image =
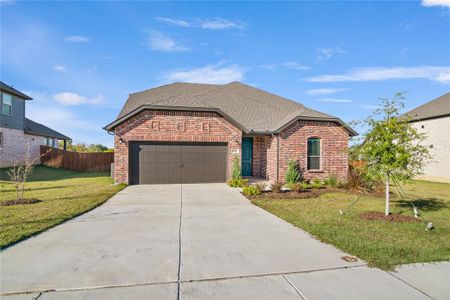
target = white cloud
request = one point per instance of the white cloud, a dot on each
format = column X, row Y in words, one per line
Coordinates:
column 326, row 53
column 325, row 91
column 176, row 22
column 212, row 24
column 435, row 73
column 429, row 3
column 336, row 100
column 160, row 42
column 220, row 24
column 269, row 67
column 59, row 68
column 71, row 99
column 214, row 74
column 289, row 64
column 77, row 39
column 294, row 65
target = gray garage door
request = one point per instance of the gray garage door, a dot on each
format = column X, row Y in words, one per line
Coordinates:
column 160, row 163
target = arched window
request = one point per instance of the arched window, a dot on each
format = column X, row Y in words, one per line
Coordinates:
column 313, row 154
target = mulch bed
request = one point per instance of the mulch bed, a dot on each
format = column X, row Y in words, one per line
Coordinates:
column 20, row 202
column 288, row 195
column 379, row 216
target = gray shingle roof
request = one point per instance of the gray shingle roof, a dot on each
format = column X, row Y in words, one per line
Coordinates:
column 11, row 90
column 253, row 110
column 439, row 107
column 34, row 128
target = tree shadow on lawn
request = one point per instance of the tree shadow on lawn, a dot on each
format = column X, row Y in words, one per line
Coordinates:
column 424, row 204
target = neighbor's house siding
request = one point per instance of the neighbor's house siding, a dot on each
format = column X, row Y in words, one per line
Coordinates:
column 293, row 146
column 438, row 135
column 15, row 144
column 168, row 125
column 17, row 119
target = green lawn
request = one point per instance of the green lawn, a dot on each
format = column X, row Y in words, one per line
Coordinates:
column 382, row 244
column 64, row 194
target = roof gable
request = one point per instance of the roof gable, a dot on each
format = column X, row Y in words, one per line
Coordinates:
column 253, row 110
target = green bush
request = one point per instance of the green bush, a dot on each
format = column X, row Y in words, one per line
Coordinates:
column 332, row 181
column 238, row 182
column 316, row 184
column 251, row 190
column 236, row 173
column 293, row 173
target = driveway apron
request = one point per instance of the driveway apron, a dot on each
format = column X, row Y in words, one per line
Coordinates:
column 197, row 241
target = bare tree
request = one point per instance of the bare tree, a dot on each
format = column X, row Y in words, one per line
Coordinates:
column 20, row 173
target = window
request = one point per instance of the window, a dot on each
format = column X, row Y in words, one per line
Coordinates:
column 1, row 139
column 313, row 154
column 7, row 104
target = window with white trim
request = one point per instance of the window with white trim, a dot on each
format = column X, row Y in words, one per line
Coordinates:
column 313, row 162
column 7, row 104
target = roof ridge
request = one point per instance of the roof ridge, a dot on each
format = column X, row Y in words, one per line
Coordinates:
column 277, row 107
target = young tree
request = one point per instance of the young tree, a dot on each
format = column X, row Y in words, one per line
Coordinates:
column 391, row 146
column 20, row 173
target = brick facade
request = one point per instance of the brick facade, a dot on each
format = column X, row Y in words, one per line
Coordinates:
column 179, row 126
column 15, row 145
column 183, row 126
column 293, row 146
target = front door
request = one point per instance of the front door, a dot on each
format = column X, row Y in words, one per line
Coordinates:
column 247, row 156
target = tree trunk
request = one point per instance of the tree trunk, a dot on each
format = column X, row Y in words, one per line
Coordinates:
column 387, row 212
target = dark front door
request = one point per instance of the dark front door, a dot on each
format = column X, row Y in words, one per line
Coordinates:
column 161, row 163
column 247, row 156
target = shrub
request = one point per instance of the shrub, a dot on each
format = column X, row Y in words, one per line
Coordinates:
column 316, row 184
column 260, row 186
column 358, row 181
column 237, row 182
column 332, row 181
column 236, row 173
column 251, row 190
column 277, row 186
column 298, row 187
column 293, row 173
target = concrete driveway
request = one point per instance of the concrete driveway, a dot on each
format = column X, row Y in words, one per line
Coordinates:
column 192, row 242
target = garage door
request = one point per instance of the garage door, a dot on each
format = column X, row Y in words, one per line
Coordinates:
column 161, row 163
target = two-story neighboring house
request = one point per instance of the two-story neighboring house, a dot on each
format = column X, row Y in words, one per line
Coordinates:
column 433, row 119
column 17, row 133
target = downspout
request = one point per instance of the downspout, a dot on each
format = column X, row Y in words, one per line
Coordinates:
column 278, row 158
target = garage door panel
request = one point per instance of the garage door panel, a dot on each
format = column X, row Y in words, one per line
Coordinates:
column 158, row 163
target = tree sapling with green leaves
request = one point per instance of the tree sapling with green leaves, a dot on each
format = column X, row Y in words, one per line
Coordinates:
column 391, row 147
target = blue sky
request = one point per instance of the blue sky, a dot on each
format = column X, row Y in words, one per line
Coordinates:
column 80, row 60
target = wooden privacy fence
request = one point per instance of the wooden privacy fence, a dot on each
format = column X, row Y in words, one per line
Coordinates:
column 77, row 161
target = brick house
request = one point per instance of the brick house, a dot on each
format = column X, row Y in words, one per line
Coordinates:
column 18, row 133
column 189, row 133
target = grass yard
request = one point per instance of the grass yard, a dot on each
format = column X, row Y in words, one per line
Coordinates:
column 382, row 244
column 64, row 195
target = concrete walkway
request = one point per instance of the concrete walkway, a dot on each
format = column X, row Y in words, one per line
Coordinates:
column 196, row 242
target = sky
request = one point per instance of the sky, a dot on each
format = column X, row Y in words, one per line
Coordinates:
column 80, row 60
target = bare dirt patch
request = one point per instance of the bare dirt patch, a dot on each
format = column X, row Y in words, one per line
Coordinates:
column 379, row 216
column 20, row 202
